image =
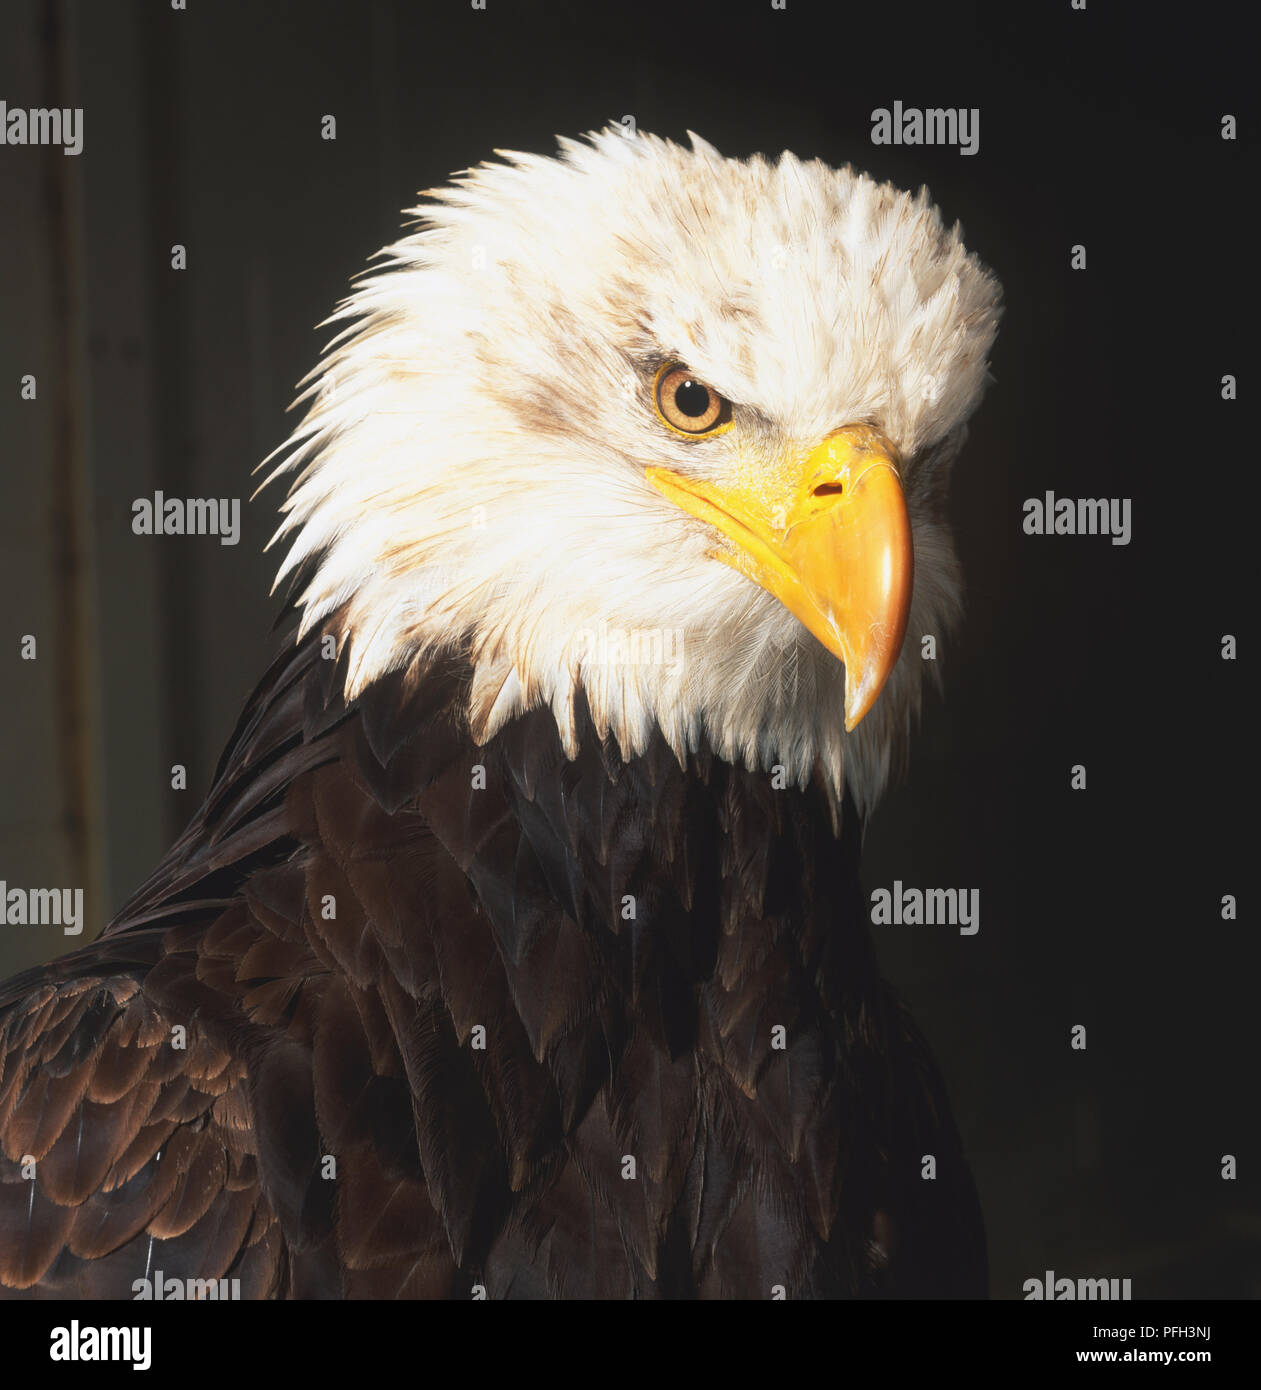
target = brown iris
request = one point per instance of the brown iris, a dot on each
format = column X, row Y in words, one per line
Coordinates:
column 687, row 404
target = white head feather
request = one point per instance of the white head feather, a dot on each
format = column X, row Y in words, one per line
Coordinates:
column 473, row 458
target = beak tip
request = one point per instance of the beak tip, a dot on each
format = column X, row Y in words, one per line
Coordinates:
column 862, row 694
column 857, row 704
column 853, row 718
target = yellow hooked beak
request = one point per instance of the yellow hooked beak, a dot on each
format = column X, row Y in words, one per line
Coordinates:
column 833, row 544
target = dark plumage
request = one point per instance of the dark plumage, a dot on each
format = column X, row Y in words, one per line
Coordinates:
column 458, row 907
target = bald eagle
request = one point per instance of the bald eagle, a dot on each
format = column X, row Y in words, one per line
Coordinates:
column 518, row 949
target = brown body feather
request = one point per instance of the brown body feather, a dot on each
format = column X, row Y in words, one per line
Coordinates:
column 502, row 906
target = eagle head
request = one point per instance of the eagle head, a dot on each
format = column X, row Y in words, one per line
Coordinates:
column 659, row 430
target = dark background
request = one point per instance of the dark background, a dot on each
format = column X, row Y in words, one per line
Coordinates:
column 1099, row 907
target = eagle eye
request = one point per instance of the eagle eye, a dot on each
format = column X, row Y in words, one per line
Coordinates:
column 687, row 405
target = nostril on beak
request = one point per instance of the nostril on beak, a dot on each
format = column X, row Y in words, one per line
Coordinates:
column 829, row 489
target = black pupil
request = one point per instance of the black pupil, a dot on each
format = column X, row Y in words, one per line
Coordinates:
column 692, row 398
